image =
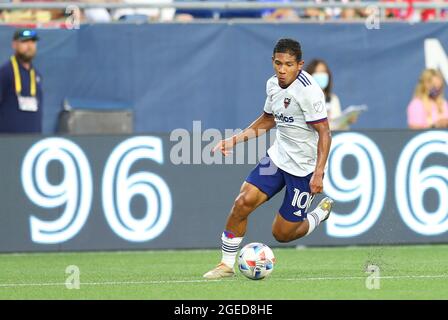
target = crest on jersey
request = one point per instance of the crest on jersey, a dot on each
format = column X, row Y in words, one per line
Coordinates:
column 286, row 102
column 318, row 106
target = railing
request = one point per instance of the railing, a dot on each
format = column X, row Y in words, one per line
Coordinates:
column 205, row 5
column 381, row 7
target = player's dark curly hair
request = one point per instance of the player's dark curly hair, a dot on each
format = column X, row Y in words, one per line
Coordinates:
column 290, row 46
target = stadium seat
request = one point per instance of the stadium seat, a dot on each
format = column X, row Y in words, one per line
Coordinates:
column 82, row 116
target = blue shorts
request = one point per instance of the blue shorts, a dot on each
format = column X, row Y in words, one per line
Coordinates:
column 270, row 179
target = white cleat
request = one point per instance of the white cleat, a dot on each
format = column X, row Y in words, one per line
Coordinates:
column 220, row 271
column 326, row 204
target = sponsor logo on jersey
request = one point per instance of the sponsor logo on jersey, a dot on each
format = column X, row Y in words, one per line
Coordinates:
column 286, row 102
column 282, row 118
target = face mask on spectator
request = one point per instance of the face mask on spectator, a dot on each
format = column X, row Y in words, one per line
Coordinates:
column 322, row 79
column 434, row 92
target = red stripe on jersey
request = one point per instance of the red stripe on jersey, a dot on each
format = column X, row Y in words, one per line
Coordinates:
column 317, row 121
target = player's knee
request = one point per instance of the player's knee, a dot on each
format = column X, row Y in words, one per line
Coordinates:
column 281, row 236
column 244, row 203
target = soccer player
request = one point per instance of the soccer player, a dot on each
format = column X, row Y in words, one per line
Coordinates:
column 296, row 105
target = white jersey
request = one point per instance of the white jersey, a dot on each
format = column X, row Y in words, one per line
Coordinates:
column 295, row 109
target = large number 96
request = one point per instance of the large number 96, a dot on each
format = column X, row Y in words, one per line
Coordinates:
column 74, row 192
column 368, row 187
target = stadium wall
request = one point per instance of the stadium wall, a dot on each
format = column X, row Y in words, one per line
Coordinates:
column 172, row 74
column 165, row 192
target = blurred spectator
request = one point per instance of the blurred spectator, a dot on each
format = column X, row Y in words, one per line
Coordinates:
column 323, row 76
column 401, row 14
column 33, row 15
column 415, row 15
column 1, row 11
column 428, row 109
column 282, row 14
column 279, row 13
column 197, row 13
column 330, row 13
column 18, row 16
column 144, row 14
column 47, row 15
column 353, row 13
column 20, row 87
column 97, row 15
column 314, row 13
column 234, row 13
column 431, row 14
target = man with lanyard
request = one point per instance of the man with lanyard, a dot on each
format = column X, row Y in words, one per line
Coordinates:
column 20, row 87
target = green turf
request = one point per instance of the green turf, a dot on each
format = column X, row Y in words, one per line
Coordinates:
column 409, row 272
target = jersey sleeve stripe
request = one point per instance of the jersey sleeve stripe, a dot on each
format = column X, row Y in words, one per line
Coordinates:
column 267, row 113
column 300, row 79
column 317, row 121
column 304, row 78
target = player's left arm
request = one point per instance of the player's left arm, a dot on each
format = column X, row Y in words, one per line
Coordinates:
column 312, row 102
column 323, row 149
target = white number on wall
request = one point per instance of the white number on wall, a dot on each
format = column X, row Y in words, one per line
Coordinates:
column 367, row 188
column 74, row 192
column 412, row 181
column 119, row 187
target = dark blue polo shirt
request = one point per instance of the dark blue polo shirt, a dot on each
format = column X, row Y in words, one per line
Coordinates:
column 12, row 119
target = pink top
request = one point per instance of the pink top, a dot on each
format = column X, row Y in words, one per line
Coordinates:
column 418, row 117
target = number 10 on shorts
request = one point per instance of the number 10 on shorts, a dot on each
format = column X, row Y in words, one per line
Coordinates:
column 299, row 201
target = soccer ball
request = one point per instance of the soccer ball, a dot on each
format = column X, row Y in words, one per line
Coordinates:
column 256, row 261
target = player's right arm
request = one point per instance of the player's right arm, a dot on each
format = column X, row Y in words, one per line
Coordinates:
column 260, row 126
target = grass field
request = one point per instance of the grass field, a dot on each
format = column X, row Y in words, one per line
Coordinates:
column 407, row 272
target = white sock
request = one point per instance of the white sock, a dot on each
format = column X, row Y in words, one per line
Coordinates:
column 314, row 219
column 230, row 246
